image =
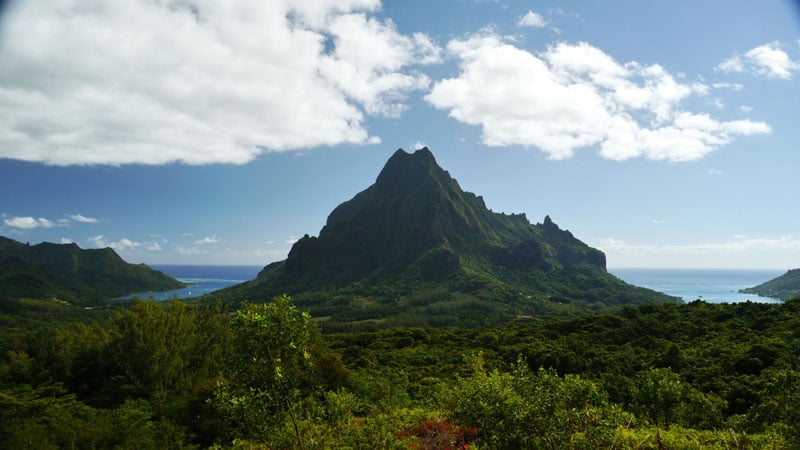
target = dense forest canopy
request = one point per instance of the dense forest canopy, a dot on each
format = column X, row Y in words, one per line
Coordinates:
column 172, row 375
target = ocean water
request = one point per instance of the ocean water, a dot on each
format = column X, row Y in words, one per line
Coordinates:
column 203, row 279
column 710, row 285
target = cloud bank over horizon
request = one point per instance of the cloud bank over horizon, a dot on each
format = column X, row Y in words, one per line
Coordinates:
column 742, row 252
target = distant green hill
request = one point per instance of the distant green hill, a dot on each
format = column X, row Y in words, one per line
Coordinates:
column 67, row 272
column 784, row 287
column 415, row 249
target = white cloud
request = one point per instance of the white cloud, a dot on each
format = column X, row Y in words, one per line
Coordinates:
column 188, row 251
column 29, row 222
column 714, row 172
column 209, row 240
column 100, row 241
column 733, row 64
column 574, row 96
column 66, row 241
column 83, row 219
column 768, row 60
column 726, row 85
column 124, row 243
column 531, row 19
column 153, row 247
column 291, row 240
column 153, row 82
column 745, row 109
column 743, row 251
column 418, row 145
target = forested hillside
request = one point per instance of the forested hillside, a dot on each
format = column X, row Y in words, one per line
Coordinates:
column 785, row 286
column 155, row 375
column 71, row 274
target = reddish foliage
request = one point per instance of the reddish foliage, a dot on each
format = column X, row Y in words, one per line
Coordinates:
column 440, row 435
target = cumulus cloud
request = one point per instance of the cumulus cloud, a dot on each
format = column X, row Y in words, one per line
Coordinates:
column 767, row 60
column 124, row 244
column 188, row 251
column 66, row 241
column 100, row 241
column 83, row 219
column 531, row 19
column 209, row 240
column 28, row 222
column 203, row 81
column 575, row 95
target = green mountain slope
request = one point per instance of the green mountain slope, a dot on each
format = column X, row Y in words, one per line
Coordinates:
column 67, row 272
column 415, row 249
column 784, row 287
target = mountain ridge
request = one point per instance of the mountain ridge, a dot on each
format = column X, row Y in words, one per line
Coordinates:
column 415, row 230
column 70, row 273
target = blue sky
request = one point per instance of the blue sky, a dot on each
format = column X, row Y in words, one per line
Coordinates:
column 214, row 132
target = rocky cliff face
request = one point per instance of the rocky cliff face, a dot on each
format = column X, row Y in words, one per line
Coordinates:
column 416, row 229
column 416, row 207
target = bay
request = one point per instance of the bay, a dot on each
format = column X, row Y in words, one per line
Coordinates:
column 710, row 285
column 203, row 279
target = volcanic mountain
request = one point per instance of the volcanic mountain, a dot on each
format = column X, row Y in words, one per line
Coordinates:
column 67, row 272
column 415, row 249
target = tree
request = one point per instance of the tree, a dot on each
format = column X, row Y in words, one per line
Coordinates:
column 657, row 395
column 525, row 409
column 267, row 369
column 164, row 350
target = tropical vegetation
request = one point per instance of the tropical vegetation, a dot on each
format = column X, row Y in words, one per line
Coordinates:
column 173, row 375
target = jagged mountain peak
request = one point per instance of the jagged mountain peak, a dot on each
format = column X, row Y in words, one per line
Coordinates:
column 415, row 208
column 404, row 170
column 416, row 230
column 421, row 157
